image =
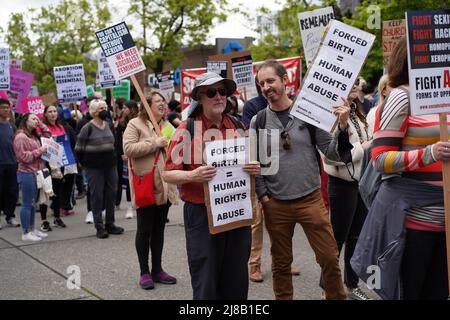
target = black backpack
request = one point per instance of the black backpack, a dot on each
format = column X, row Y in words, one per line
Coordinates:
column 261, row 124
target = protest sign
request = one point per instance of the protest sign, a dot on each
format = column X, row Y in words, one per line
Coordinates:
column 54, row 152
column 16, row 64
column 312, row 28
column 70, row 83
column 120, row 51
column 20, row 87
column 49, row 99
column 332, row 75
column 4, row 69
column 187, row 84
column 123, row 91
column 228, row 196
column 242, row 71
column 67, row 157
column 166, row 85
column 218, row 67
column 90, row 91
column 393, row 32
column 105, row 77
column 34, row 92
column 34, row 105
column 428, row 34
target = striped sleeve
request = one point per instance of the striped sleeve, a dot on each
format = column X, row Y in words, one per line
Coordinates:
column 390, row 129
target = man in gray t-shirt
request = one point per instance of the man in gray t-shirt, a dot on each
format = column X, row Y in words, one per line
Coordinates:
column 289, row 188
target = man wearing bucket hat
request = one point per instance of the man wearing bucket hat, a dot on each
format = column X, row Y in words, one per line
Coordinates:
column 217, row 263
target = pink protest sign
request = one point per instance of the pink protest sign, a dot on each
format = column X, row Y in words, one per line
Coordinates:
column 34, row 105
column 83, row 106
column 21, row 82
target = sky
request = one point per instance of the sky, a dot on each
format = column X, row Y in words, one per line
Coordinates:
column 235, row 27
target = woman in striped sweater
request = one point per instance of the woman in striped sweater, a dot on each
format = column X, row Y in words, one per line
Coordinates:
column 408, row 146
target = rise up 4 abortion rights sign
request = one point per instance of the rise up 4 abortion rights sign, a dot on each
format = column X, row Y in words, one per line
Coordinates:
column 332, row 75
column 120, row 51
column 428, row 34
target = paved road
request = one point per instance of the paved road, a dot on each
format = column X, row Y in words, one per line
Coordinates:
column 109, row 268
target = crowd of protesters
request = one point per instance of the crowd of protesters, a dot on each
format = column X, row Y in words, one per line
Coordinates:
column 116, row 145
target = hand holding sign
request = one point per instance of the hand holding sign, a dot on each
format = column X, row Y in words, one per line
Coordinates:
column 441, row 151
column 252, row 168
column 343, row 113
column 203, row 174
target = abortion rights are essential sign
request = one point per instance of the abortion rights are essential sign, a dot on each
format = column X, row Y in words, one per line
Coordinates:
column 70, row 83
column 331, row 77
column 120, row 51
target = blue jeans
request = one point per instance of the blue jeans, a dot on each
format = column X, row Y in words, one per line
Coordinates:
column 27, row 182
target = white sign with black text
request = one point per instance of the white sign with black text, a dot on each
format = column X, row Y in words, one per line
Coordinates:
column 54, row 154
column 312, row 28
column 331, row 77
column 229, row 190
column 70, row 83
column 4, row 69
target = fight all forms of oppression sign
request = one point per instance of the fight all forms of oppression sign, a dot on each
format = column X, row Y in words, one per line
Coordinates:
column 429, row 61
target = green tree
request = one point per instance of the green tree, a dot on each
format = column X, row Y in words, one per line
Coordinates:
column 169, row 24
column 288, row 42
column 57, row 35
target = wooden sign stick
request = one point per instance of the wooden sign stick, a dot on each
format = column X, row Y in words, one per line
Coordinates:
column 446, row 177
column 146, row 106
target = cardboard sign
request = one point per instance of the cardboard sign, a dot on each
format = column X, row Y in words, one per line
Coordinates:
column 218, row 67
column 4, row 69
column 332, row 75
column 122, row 91
column 54, row 152
column 34, row 105
column 166, row 85
column 20, row 87
column 120, row 51
column 312, row 28
column 393, row 32
column 242, row 71
column 228, row 194
column 49, row 99
column 428, row 34
column 105, row 77
column 16, row 64
column 70, row 83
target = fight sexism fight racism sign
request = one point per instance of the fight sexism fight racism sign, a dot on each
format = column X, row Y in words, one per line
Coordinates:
column 428, row 34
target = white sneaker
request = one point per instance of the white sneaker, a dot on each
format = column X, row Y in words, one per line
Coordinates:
column 103, row 214
column 12, row 223
column 30, row 237
column 89, row 218
column 40, row 234
column 129, row 214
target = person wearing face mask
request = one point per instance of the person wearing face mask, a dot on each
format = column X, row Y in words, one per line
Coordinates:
column 95, row 150
column 28, row 150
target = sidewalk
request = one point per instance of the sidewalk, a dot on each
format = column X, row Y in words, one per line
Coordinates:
column 109, row 267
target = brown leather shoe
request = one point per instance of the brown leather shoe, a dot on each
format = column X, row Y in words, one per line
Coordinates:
column 256, row 275
column 295, row 271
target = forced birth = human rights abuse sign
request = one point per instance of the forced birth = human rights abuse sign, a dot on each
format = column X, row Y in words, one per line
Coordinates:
column 120, row 51
column 332, row 75
column 228, row 195
column 428, row 34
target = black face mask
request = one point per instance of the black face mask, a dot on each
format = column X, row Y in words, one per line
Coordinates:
column 103, row 114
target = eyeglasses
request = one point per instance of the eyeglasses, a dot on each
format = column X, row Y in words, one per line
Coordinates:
column 286, row 140
column 211, row 92
column 356, row 82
